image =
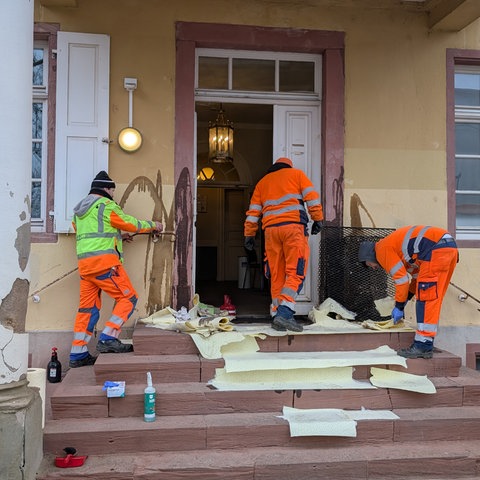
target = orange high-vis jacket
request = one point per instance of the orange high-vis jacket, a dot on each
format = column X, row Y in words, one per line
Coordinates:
column 402, row 251
column 282, row 197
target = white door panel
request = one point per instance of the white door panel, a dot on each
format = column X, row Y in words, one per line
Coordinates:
column 296, row 136
column 81, row 148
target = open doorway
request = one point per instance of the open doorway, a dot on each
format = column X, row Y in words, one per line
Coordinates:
column 222, row 267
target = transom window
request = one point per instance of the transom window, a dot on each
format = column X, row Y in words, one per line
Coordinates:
column 263, row 73
column 467, row 151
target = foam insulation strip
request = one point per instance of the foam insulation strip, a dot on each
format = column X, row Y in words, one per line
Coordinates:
column 334, row 378
column 211, row 347
column 383, row 355
column 402, row 381
column 330, row 421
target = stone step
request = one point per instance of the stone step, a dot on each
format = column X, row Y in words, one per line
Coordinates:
column 249, row 430
column 132, row 368
column 442, row 460
column 149, row 340
column 80, row 394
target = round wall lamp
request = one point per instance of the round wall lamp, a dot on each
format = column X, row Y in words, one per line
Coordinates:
column 129, row 139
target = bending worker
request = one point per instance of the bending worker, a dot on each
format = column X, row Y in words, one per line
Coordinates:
column 281, row 199
column 421, row 261
column 98, row 222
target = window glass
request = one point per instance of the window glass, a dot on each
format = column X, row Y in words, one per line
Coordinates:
column 468, row 210
column 213, row 73
column 467, row 89
column 467, row 138
column 467, row 174
column 38, row 54
column 36, row 199
column 37, row 154
column 297, row 76
column 253, row 74
column 467, row 153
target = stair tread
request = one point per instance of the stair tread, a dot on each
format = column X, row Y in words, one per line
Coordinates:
column 237, row 418
column 357, row 462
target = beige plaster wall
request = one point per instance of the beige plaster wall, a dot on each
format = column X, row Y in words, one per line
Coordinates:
column 394, row 117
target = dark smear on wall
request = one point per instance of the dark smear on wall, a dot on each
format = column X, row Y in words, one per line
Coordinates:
column 355, row 205
column 158, row 280
column 337, row 196
column 182, row 289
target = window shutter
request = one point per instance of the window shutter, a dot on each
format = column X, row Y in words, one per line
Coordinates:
column 81, row 145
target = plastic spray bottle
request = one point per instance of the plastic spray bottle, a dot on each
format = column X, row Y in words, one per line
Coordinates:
column 149, row 400
column 54, row 368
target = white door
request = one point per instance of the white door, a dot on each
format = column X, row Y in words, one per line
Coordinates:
column 296, row 135
column 81, row 150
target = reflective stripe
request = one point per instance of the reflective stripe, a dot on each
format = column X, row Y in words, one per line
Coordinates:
column 312, row 203
column 77, row 349
column 290, row 208
column 289, row 292
column 307, row 190
column 83, row 236
column 427, row 327
column 279, row 201
column 253, row 219
column 420, row 235
column 396, row 268
column 290, row 305
column 423, row 338
column 255, row 207
column 81, row 337
column 116, row 320
column 98, row 252
column 101, row 225
column 112, row 332
column 416, row 244
column 401, row 281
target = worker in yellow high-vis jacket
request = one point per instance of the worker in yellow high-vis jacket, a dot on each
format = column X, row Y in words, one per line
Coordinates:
column 99, row 222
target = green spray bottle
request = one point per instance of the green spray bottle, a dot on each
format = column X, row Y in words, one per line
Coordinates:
column 149, row 400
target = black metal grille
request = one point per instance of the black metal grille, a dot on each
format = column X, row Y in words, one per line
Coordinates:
column 344, row 279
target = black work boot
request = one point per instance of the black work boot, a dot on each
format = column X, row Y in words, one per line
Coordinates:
column 282, row 323
column 82, row 362
column 417, row 350
column 113, row 346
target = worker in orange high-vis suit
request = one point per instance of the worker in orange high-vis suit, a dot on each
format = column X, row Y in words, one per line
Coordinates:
column 421, row 261
column 281, row 199
column 99, row 222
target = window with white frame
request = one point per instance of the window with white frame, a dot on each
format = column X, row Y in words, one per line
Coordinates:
column 254, row 73
column 39, row 136
column 467, row 152
column 44, row 83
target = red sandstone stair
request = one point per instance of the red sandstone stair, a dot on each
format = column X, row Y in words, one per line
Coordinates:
column 202, row 433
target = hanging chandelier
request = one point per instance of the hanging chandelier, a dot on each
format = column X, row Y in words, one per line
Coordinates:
column 220, row 139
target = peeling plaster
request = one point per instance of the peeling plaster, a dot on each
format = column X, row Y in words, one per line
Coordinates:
column 13, row 309
column 22, row 245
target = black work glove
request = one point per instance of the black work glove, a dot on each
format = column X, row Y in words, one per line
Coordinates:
column 316, row 227
column 249, row 243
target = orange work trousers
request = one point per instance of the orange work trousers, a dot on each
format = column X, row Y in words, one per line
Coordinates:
column 287, row 252
column 115, row 283
column 432, row 283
